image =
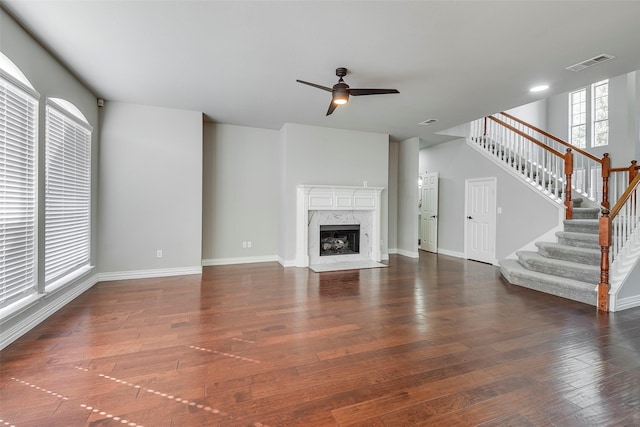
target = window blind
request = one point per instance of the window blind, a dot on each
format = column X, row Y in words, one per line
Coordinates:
column 18, row 207
column 67, row 193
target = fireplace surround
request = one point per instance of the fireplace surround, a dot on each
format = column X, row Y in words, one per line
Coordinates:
column 337, row 205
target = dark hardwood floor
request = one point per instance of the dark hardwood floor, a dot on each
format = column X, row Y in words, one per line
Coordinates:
column 437, row 341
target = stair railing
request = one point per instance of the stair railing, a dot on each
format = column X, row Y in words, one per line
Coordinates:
column 621, row 178
column 619, row 230
column 550, row 163
column 535, row 153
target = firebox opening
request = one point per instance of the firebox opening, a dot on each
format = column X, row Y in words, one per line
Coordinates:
column 339, row 239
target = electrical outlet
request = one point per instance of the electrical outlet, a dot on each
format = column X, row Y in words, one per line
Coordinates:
column 244, row 245
column 249, row 244
column 159, row 253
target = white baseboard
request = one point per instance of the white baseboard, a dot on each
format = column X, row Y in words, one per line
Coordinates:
column 31, row 321
column 625, row 303
column 392, row 251
column 409, row 254
column 240, row 260
column 145, row 274
column 451, row 253
column 286, row 263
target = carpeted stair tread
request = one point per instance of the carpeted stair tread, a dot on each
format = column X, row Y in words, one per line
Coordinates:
column 582, row 225
column 569, row 253
column 570, row 270
column 575, row 290
column 586, row 213
column 582, row 240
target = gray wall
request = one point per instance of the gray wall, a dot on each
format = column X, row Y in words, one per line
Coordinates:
column 623, row 112
column 526, row 214
column 241, row 187
column 534, row 113
column 408, row 197
column 51, row 80
column 318, row 155
column 394, row 148
column 150, row 191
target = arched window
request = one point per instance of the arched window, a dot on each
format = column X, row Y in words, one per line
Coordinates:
column 18, row 184
column 67, row 191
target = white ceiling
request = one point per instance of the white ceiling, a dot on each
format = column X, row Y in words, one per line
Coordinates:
column 238, row 61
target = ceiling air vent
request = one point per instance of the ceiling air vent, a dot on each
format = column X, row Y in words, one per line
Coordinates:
column 428, row 122
column 590, row 62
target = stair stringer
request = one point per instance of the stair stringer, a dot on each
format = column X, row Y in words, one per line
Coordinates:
column 620, row 271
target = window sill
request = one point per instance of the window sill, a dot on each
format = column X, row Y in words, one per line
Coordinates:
column 18, row 307
column 62, row 282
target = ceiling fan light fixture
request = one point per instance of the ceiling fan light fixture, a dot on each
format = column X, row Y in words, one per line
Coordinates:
column 340, row 97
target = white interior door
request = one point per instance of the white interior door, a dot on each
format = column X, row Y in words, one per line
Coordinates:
column 429, row 213
column 480, row 219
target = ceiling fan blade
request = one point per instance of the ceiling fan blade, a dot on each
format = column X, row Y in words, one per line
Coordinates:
column 332, row 107
column 356, row 92
column 328, row 89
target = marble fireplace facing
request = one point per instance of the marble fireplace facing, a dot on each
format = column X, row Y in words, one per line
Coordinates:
column 337, row 206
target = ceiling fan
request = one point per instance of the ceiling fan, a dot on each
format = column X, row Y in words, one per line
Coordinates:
column 341, row 91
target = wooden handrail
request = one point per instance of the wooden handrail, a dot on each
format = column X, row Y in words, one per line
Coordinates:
column 632, row 169
column 605, row 234
column 530, row 138
column 555, row 138
column 625, row 196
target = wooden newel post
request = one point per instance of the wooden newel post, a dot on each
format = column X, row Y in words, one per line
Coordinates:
column 568, row 172
column 604, row 239
column 632, row 170
column 606, row 168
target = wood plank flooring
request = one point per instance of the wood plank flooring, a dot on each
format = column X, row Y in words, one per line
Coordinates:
column 437, row 341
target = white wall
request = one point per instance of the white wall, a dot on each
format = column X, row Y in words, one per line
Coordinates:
column 408, row 197
column 150, row 191
column 241, row 187
column 318, row 155
column 51, row 80
column 526, row 214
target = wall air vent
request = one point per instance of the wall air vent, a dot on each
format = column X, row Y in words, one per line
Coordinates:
column 590, row 62
column 428, row 122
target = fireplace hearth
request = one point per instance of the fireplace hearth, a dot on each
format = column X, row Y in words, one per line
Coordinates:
column 343, row 239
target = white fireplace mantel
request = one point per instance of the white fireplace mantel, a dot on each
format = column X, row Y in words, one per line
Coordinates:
column 336, row 198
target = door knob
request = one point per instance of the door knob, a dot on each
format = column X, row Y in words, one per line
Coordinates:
column 434, row 216
column 469, row 217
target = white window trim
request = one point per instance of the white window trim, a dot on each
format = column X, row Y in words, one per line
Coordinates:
column 590, row 121
column 76, row 262
column 17, row 84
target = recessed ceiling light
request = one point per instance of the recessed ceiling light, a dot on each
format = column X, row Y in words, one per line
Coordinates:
column 539, row 88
